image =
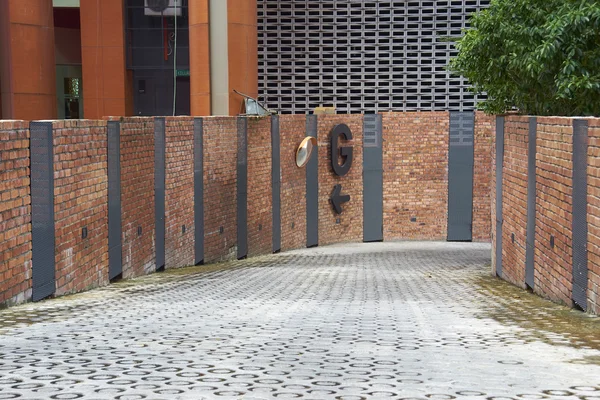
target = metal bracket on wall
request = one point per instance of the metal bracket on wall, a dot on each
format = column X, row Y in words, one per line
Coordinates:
column 252, row 106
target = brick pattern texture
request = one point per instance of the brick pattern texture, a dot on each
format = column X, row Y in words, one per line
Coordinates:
column 179, row 192
column 220, row 189
column 137, row 196
column 415, row 175
column 15, row 213
column 348, row 226
column 415, row 185
column 260, row 200
column 292, row 130
column 594, row 215
column 553, row 271
column 553, row 275
column 80, row 202
column 514, row 200
column 485, row 128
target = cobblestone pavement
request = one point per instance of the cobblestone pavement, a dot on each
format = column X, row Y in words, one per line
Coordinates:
column 366, row 321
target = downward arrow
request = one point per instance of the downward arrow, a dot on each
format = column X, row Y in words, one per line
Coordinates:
column 337, row 199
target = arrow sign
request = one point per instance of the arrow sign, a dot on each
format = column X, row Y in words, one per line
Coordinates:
column 337, row 199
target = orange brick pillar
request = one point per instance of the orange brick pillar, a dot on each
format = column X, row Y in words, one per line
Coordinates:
column 105, row 79
column 242, row 35
column 27, row 66
column 199, row 58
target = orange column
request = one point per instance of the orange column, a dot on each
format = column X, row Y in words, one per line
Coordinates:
column 27, row 66
column 105, row 77
column 199, row 58
column 242, row 33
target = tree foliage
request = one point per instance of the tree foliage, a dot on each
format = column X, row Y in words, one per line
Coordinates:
column 541, row 57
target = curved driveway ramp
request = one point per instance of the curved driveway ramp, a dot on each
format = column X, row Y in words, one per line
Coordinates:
column 361, row 321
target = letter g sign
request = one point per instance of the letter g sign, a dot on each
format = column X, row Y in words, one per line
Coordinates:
column 344, row 152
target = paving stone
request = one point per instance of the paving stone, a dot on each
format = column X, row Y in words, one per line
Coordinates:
column 363, row 321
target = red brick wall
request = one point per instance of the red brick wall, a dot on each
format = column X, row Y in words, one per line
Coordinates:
column 179, row 193
column 554, row 172
column 554, row 184
column 415, row 185
column 415, row 175
column 220, row 189
column 137, row 196
column 80, row 201
column 594, row 216
column 514, row 200
column 15, row 213
column 350, row 226
column 483, row 173
column 292, row 130
column 260, row 199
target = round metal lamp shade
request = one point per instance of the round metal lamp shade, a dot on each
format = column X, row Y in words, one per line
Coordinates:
column 305, row 150
column 158, row 5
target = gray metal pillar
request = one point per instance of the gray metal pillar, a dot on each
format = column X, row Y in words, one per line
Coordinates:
column 580, row 225
column 499, row 187
column 242, row 187
column 460, row 176
column 531, row 196
column 159, row 192
column 115, row 264
column 198, row 191
column 276, row 182
column 372, row 178
column 42, row 210
column 312, row 187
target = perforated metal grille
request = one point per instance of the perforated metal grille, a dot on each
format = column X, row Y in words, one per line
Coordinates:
column 462, row 126
column 361, row 56
column 370, row 132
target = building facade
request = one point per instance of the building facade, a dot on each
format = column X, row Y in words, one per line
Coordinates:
column 95, row 58
column 362, row 56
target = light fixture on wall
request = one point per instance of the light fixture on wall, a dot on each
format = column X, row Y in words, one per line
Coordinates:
column 162, row 8
column 305, row 150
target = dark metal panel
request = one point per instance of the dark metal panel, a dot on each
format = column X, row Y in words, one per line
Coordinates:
column 242, row 187
column 531, row 196
column 198, row 190
column 276, row 182
column 372, row 178
column 499, row 186
column 580, row 226
column 460, row 176
column 115, row 265
column 312, row 187
column 42, row 210
column 159, row 191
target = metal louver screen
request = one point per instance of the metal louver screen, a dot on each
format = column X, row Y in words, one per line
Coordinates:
column 370, row 132
column 361, row 56
column 462, row 126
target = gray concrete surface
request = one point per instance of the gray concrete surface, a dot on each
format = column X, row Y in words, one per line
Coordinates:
column 365, row 321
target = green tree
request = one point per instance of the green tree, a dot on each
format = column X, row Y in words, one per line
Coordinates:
column 541, row 57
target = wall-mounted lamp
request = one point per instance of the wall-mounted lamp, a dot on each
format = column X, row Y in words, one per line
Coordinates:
column 305, row 150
